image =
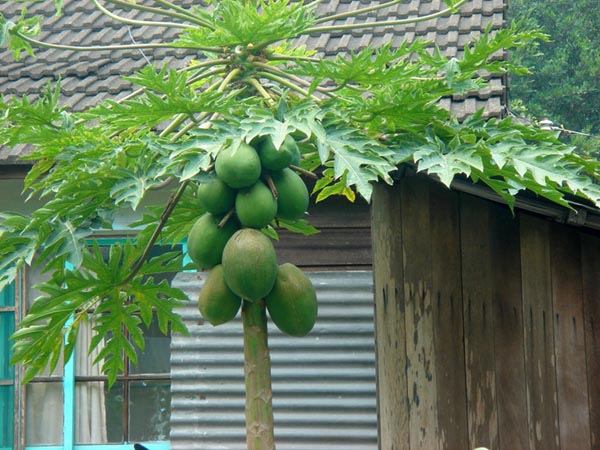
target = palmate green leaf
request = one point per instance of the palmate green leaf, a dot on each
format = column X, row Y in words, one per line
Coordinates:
column 301, row 118
column 298, row 226
column 133, row 186
column 117, row 333
column 160, row 300
column 359, row 158
column 97, row 292
column 243, row 23
column 11, row 34
column 327, row 185
column 165, row 81
column 40, row 340
column 508, row 158
column 447, row 161
column 150, row 109
column 369, row 67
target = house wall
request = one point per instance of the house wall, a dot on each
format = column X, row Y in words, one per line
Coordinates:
column 486, row 324
column 323, row 383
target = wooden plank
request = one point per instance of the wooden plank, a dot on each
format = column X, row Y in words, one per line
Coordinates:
column 478, row 319
column 390, row 332
column 511, row 389
column 420, row 350
column 590, row 263
column 567, row 295
column 538, row 312
column 329, row 247
column 336, row 212
column 448, row 319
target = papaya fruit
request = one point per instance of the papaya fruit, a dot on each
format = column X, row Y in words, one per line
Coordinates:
column 238, row 166
column 296, row 156
column 216, row 302
column 273, row 158
column 292, row 303
column 292, row 194
column 249, row 264
column 255, row 206
column 215, row 197
column 206, row 240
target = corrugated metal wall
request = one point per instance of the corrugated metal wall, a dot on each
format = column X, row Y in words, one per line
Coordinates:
column 323, row 384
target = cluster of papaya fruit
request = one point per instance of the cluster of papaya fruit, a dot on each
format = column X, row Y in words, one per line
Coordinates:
column 251, row 186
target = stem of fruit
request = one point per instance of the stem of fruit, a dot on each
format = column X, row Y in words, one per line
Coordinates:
column 304, row 172
column 272, row 186
column 224, row 220
column 257, row 370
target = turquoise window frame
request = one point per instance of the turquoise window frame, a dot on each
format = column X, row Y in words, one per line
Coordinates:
column 7, row 419
column 68, row 383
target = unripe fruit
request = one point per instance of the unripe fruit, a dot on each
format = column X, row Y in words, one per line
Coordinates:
column 277, row 159
column 255, row 206
column 292, row 303
column 206, row 240
column 249, row 264
column 216, row 302
column 215, row 197
column 238, row 166
column 292, row 194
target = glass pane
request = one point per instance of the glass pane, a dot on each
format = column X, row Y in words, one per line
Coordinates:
column 114, row 405
column 149, row 411
column 7, row 296
column 91, row 413
column 84, row 359
column 33, row 276
column 156, row 356
column 44, row 414
column 7, row 327
column 7, row 413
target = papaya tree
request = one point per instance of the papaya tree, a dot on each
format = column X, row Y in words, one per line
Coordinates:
column 222, row 134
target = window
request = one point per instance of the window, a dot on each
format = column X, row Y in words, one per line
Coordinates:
column 7, row 373
column 74, row 407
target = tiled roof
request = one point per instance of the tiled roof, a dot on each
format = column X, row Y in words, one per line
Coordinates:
column 89, row 77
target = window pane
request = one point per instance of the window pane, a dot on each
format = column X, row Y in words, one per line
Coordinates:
column 7, row 327
column 91, row 413
column 7, row 296
column 114, row 412
column 7, row 406
column 34, row 276
column 149, row 411
column 44, row 417
column 156, row 356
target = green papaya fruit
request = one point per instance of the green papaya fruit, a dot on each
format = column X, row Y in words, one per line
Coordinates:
column 273, row 158
column 255, row 206
column 249, row 264
column 296, row 157
column 216, row 302
column 206, row 240
column 292, row 303
column 215, row 197
column 238, row 166
column 292, row 194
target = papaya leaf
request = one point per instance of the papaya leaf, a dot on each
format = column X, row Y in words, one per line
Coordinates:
column 298, row 226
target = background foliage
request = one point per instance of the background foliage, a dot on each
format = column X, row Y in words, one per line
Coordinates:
column 565, row 82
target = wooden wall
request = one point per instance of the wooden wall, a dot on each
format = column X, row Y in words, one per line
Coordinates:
column 487, row 324
column 343, row 241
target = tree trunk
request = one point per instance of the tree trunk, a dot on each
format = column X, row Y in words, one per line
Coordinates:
column 257, row 368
